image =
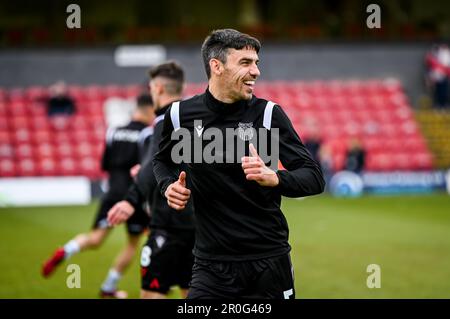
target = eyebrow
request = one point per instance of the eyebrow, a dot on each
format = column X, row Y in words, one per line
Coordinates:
column 249, row 60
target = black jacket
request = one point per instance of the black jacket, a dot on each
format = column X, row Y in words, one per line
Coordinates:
column 123, row 150
column 237, row 219
column 145, row 188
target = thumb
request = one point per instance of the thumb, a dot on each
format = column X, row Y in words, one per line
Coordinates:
column 182, row 178
column 253, row 151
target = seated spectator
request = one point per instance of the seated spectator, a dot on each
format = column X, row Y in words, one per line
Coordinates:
column 355, row 158
column 60, row 103
column 312, row 144
column 325, row 156
column 438, row 72
column 313, row 141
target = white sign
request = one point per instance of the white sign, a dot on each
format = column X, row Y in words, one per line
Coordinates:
column 44, row 191
column 447, row 180
column 139, row 55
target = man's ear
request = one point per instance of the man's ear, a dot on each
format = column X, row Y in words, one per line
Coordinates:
column 159, row 87
column 216, row 66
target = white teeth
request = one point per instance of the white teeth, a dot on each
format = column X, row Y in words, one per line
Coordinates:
column 250, row 82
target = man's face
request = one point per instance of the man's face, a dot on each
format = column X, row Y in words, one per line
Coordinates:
column 151, row 114
column 240, row 73
column 155, row 91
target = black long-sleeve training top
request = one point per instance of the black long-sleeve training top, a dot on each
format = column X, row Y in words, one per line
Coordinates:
column 123, row 149
column 145, row 188
column 236, row 219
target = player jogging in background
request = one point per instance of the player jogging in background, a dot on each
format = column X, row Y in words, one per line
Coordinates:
column 241, row 248
column 123, row 150
column 166, row 258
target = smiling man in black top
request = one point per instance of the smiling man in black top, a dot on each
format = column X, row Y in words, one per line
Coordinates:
column 241, row 248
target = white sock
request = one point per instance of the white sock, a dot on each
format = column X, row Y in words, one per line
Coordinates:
column 71, row 248
column 110, row 283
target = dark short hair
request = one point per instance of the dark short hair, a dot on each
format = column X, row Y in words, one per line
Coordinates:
column 172, row 71
column 144, row 100
column 218, row 42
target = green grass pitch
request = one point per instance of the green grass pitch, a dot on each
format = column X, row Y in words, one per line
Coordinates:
column 333, row 241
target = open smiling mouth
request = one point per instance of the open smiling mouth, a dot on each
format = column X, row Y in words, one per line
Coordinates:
column 250, row 84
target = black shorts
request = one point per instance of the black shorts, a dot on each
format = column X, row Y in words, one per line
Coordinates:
column 136, row 224
column 166, row 260
column 269, row 278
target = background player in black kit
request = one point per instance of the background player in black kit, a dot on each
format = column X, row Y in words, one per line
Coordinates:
column 166, row 258
column 124, row 149
column 241, row 248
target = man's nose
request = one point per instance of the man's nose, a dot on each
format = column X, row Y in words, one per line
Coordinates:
column 254, row 71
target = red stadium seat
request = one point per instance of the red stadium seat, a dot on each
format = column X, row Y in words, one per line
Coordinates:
column 24, row 150
column 37, row 109
column 94, row 108
column 46, row 167
column 82, row 109
column 4, row 122
column 388, row 130
column 60, row 122
column 42, row 136
column 402, row 161
column 98, row 136
column 379, row 162
column 402, row 113
column 75, row 90
column 132, row 91
column 6, row 151
column 7, row 168
column 352, row 129
column 330, row 118
column 5, row 137
column 27, row 167
column 17, row 95
column 94, row 93
column 64, row 150
column 68, row 167
column 393, row 144
column 90, row 167
column 36, row 93
column 44, row 150
column 83, row 150
column 113, row 91
column 373, row 144
column 97, row 150
column 338, row 161
column 82, row 136
column 17, row 109
column 422, row 161
column 357, row 103
column 78, row 122
column 61, row 137
column 20, row 122
column 96, row 121
column 22, row 136
column 414, row 144
column 409, row 128
column 3, row 109
column 40, row 122
column 331, row 131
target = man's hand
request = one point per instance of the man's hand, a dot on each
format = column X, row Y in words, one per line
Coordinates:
column 255, row 170
column 177, row 194
column 135, row 170
column 120, row 213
